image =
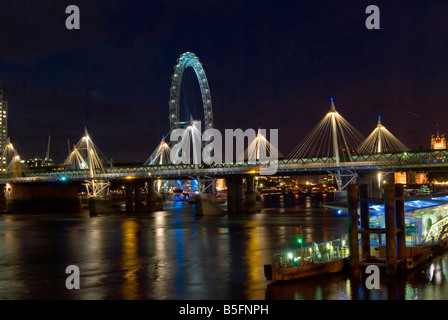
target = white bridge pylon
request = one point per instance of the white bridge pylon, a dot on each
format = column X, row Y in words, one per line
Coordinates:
column 333, row 137
column 261, row 149
column 381, row 140
column 189, row 150
column 86, row 156
column 10, row 157
column 161, row 155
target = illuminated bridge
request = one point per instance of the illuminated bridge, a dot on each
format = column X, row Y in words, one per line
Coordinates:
column 333, row 147
column 396, row 161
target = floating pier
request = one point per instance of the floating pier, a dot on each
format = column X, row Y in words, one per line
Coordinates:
column 358, row 207
column 397, row 236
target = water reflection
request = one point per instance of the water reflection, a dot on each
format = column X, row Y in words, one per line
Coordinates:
column 308, row 202
column 131, row 259
column 254, row 257
column 428, row 282
column 91, row 245
column 10, row 277
column 172, row 254
column 158, row 270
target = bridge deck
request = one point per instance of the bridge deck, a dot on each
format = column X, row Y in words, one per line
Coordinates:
column 411, row 160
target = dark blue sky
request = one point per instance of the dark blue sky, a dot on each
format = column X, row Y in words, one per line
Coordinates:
column 270, row 64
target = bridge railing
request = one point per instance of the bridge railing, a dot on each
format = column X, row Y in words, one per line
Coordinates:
column 393, row 160
column 437, row 232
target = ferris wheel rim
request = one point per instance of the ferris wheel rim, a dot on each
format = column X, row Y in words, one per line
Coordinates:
column 189, row 59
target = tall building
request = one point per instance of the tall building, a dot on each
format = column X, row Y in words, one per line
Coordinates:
column 438, row 142
column 3, row 127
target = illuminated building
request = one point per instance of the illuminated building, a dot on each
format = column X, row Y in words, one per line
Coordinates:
column 438, row 142
column 400, row 177
column 220, row 184
column 3, row 124
column 411, row 177
column 38, row 162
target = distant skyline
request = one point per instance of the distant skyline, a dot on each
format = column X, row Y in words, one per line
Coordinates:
column 269, row 64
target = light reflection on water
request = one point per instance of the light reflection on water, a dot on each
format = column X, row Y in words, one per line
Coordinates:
column 131, row 262
column 172, row 254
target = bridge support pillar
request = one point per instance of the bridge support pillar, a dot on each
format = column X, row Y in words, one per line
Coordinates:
column 138, row 196
column 2, row 198
column 100, row 205
column 252, row 198
column 154, row 200
column 239, row 194
column 250, row 184
column 43, row 197
column 370, row 178
column 231, row 198
column 205, row 201
column 235, row 195
column 205, row 205
column 209, row 187
column 129, row 188
column 139, row 191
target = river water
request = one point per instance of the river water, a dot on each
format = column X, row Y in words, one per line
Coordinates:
column 173, row 255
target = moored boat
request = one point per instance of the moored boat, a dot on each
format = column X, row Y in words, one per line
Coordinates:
column 314, row 260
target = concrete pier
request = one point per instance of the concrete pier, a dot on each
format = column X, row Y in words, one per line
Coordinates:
column 141, row 197
column 205, row 202
column 239, row 194
column 3, row 198
column 205, row 205
column 154, row 200
column 231, row 197
column 101, row 204
column 138, row 196
column 129, row 187
column 242, row 197
column 252, row 197
column 41, row 197
column 374, row 186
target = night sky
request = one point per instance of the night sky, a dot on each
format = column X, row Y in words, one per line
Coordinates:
column 270, row 64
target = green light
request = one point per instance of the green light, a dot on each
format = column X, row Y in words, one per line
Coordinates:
column 299, row 240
